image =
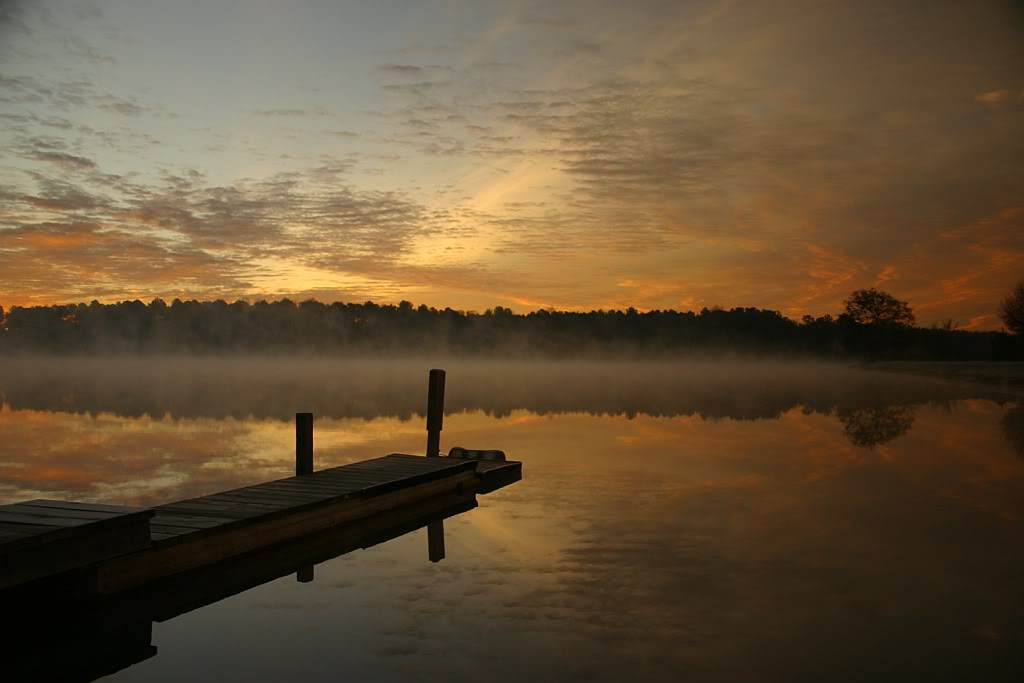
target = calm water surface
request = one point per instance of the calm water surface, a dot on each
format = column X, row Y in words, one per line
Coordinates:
column 691, row 521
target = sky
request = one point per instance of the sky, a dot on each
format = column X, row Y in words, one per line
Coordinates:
column 573, row 155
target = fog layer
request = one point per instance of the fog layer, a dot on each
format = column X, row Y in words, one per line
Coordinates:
column 267, row 387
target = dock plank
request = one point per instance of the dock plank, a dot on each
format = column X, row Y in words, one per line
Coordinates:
column 19, row 517
column 322, row 486
column 119, row 509
column 172, row 530
column 40, row 538
column 271, row 499
column 194, row 521
column 43, row 511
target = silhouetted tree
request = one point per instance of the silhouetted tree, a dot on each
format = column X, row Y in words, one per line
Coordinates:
column 873, row 307
column 1012, row 310
column 875, row 426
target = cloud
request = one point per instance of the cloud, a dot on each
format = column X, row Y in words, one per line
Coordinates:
column 547, row 22
column 89, row 233
column 402, row 70
column 76, row 260
column 704, row 153
column 413, row 71
column 17, row 25
column 417, row 87
column 63, row 197
column 25, row 23
column 66, row 95
column 292, row 112
column 993, row 98
column 62, row 159
column 118, row 106
column 82, row 49
column 648, row 155
column 51, row 150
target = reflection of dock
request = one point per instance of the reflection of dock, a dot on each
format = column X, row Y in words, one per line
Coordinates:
column 87, row 640
column 97, row 549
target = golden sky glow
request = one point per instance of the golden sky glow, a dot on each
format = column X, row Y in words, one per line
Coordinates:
column 580, row 155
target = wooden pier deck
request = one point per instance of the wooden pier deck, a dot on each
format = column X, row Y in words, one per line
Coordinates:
column 40, row 538
column 99, row 549
column 87, row 640
column 121, row 548
column 201, row 531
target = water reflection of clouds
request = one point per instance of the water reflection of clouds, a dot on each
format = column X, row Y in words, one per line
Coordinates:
column 635, row 547
column 104, row 457
column 778, row 564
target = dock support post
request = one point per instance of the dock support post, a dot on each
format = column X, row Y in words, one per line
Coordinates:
column 303, row 443
column 435, row 541
column 435, row 412
column 304, row 574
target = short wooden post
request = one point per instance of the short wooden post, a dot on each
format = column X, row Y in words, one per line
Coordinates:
column 303, row 443
column 435, row 541
column 304, row 574
column 435, row 412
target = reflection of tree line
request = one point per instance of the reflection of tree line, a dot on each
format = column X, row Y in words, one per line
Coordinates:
column 874, row 408
column 876, row 425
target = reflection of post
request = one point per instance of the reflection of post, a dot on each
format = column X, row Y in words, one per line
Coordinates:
column 435, row 412
column 435, row 541
column 303, row 443
column 304, row 574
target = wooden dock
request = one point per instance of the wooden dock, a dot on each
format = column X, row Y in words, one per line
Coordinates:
column 87, row 640
column 201, row 531
column 101, row 549
column 40, row 538
column 115, row 548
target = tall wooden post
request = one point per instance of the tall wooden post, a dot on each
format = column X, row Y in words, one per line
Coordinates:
column 435, row 541
column 303, row 443
column 435, row 412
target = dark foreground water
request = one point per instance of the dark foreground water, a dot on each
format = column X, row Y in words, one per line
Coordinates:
column 695, row 521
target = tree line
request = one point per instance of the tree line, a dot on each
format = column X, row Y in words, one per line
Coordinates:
column 873, row 325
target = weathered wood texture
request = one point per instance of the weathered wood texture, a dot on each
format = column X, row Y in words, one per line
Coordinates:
column 201, row 531
column 40, row 538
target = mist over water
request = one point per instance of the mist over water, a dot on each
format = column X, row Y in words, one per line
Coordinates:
column 688, row 520
column 277, row 388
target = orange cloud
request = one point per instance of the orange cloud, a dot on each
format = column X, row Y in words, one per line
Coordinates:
column 993, row 98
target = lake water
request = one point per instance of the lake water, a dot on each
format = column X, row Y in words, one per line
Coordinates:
column 684, row 521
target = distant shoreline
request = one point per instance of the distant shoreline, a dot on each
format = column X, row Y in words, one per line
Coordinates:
column 1007, row 374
